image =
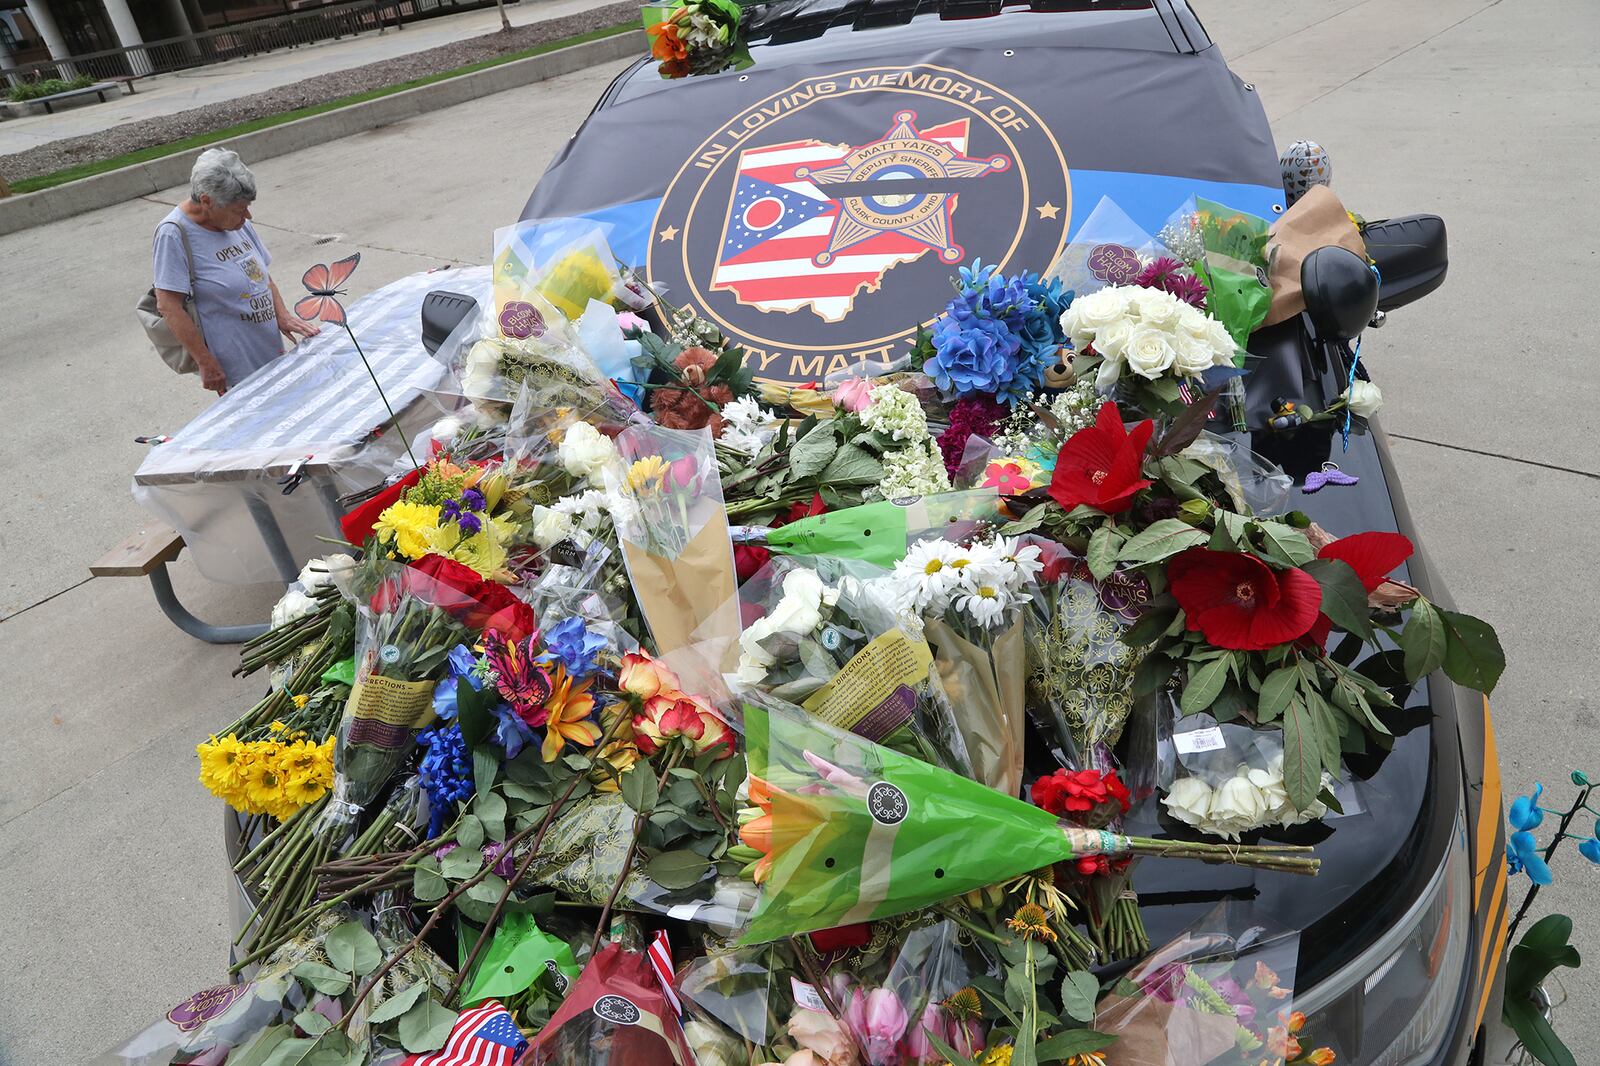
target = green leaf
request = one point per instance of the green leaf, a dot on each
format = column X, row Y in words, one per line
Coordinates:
column 461, row 863
column 311, row 1023
column 324, row 979
column 950, row 1054
column 258, row 1050
column 1160, row 540
column 1276, row 692
column 469, row 832
column 1079, row 991
column 811, row 453
column 852, row 466
column 639, row 790
column 1151, row 624
column 1472, row 653
column 1302, row 755
column 291, row 1052
column 1151, row 675
column 1102, row 554
column 1030, row 521
column 1328, row 730
column 473, row 712
column 488, row 890
column 1423, row 641
column 485, row 768
column 1536, row 1035
column 398, row 1003
column 1073, row 1042
column 426, row 1026
column 1185, row 429
column 1285, row 545
column 1205, row 683
column 1344, row 597
column 1542, row 948
column 352, row 949
column 427, row 885
column 491, row 811
column 677, row 869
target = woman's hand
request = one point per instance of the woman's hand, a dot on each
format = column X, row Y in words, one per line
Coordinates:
column 212, row 377
column 294, row 327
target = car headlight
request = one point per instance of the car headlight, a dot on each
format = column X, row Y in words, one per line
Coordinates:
column 1392, row 1006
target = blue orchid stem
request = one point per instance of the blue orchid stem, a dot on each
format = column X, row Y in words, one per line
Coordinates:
column 1567, row 816
column 394, row 419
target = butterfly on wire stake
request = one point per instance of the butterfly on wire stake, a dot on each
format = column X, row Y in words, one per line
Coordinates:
column 324, row 283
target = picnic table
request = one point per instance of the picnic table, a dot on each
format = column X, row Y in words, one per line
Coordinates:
column 253, row 484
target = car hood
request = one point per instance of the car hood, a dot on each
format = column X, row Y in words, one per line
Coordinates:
column 754, row 195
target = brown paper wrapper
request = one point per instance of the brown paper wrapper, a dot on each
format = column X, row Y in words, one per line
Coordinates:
column 691, row 604
column 985, row 688
column 1316, row 220
column 1151, row 1032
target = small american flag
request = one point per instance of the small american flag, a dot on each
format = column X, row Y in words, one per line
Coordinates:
column 660, row 952
column 483, row 1036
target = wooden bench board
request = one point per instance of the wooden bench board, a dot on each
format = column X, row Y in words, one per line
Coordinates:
column 140, row 552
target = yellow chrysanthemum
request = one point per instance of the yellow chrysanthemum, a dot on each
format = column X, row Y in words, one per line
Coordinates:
column 301, row 790
column 647, row 475
column 410, row 526
column 264, row 785
column 484, row 551
column 997, row 1056
column 301, row 700
column 222, row 766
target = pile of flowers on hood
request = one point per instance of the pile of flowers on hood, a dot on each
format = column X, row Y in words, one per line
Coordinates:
column 672, row 717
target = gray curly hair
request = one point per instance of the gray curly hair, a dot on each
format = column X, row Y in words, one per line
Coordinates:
column 220, row 174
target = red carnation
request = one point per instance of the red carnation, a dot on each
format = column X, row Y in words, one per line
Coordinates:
column 1086, row 797
column 1099, row 466
column 1239, row 602
column 1371, row 555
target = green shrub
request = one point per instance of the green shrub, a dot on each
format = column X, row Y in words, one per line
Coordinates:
column 33, row 90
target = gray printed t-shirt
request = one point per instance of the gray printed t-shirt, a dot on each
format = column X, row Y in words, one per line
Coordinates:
column 234, row 299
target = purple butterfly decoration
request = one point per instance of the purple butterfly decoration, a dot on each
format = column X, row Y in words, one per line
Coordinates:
column 1328, row 475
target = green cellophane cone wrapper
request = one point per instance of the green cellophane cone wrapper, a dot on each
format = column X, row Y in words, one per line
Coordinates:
column 879, row 532
column 1236, row 265
column 858, row 832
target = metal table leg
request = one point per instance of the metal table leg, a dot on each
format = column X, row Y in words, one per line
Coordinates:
column 180, row 616
column 272, row 536
column 330, row 503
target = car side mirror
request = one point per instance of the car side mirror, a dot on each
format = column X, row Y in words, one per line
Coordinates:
column 1412, row 256
column 441, row 313
column 1340, row 290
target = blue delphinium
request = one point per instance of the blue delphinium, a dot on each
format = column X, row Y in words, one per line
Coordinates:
column 446, row 772
column 573, row 645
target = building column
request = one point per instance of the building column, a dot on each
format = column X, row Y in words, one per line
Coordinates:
column 127, row 31
column 43, row 21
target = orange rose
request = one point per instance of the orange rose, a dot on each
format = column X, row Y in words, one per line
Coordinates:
column 644, row 677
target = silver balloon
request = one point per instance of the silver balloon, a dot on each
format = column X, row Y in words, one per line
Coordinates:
column 1304, row 164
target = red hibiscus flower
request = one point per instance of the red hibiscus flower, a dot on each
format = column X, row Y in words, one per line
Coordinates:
column 1099, row 466
column 1371, row 555
column 1239, row 602
column 1087, row 797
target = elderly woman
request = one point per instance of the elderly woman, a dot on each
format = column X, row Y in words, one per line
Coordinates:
column 206, row 248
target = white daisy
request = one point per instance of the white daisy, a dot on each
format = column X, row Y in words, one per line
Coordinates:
column 986, row 604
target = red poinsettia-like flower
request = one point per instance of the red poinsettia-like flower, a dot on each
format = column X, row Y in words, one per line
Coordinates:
column 1239, row 602
column 1086, row 797
column 1099, row 466
column 1372, row 555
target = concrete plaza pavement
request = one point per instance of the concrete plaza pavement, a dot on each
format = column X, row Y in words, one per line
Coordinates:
column 166, row 94
column 112, row 868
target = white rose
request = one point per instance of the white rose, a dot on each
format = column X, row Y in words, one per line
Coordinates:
column 1157, row 308
column 1364, row 398
column 1237, row 807
column 324, row 571
column 1189, row 800
column 1088, row 315
column 1273, row 793
column 1112, row 341
column 586, row 452
column 480, row 369
column 294, row 604
column 799, row 611
column 550, row 526
column 1222, row 342
column 1194, row 355
column 1148, row 352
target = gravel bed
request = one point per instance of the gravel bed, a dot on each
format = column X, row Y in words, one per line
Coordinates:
column 146, row 133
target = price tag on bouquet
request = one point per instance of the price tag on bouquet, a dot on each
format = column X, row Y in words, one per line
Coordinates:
column 807, row 996
column 1198, row 740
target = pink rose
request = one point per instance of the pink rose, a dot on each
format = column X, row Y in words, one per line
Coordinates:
column 854, row 394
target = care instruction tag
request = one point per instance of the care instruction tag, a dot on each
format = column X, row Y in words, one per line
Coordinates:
column 1207, row 739
column 406, row 704
column 872, row 696
column 806, row 996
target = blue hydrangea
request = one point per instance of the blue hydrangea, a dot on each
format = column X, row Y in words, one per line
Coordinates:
column 976, row 356
column 998, row 335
